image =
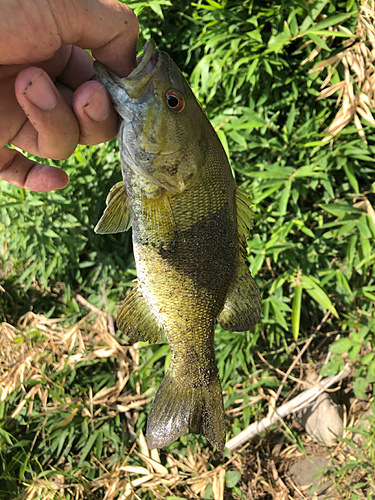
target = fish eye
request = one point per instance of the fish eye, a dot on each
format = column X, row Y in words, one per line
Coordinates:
column 175, row 101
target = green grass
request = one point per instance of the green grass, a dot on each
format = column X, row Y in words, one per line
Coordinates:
column 311, row 252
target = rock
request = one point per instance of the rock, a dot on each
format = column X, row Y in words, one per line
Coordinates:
column 366, row 418
column 323, row 419
column 302, row 474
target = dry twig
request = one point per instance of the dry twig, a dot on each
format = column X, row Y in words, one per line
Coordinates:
column 296, row 404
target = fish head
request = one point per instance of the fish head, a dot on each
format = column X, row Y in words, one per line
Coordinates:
column 159, row 134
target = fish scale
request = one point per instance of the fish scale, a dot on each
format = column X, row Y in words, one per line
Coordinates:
column 189, row 238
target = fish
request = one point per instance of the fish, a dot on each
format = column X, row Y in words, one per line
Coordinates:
column 189, row 228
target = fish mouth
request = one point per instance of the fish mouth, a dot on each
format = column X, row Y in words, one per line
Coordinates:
column 147, row 60
column 145, row 64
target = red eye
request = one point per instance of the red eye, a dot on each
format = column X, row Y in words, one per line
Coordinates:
column 175, row 101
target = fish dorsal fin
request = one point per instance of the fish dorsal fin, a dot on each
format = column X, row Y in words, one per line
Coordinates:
column 244, row 213
column 117, row 216
column 243, row 303
column 137, row 319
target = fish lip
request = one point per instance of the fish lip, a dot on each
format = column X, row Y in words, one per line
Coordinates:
column 144, row 63
column 150, row 54
column 105, row 76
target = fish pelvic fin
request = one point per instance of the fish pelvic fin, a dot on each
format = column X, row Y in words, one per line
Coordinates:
column 243, row 303
column 116, row 217
column 177, row 408
column 137, row 319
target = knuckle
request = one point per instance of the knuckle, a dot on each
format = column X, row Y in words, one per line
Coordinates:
column 131, row 20
column 63, row 155
column 57, row 150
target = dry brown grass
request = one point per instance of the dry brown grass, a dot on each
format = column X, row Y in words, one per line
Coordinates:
column 357, row 89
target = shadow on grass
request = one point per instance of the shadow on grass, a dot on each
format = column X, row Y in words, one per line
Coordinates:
column 15, row 301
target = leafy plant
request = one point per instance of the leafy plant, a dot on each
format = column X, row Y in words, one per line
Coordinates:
column 357, row 474
column 359, row 347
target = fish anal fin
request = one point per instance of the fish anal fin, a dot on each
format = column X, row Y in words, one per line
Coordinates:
column 243, row 303
column 137, row 319
column 117, row 216
column 178, row 407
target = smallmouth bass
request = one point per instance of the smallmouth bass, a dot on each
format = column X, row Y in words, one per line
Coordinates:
column 189, row 225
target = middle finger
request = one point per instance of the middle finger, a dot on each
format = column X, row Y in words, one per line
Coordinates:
column 52, row 130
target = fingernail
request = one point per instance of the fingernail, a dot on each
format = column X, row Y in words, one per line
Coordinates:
column 97, row 107
column 40, row 93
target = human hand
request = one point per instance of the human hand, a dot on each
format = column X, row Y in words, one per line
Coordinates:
column 48, row 100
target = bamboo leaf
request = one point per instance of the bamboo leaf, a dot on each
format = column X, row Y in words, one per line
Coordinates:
column 332, row 21
column 161, row 352
column 351, row 176
column 296, row 311
column 277, row 42
column 290, row 120
column 318, row 294
column 318, row 41
column 278, row 314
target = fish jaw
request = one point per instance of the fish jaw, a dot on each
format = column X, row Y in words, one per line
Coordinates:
column 124, row 90
column 130, row 97
column 170, row 172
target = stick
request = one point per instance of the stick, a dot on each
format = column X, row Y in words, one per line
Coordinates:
column 297, row 358
column 87, row 304
column 299, row 402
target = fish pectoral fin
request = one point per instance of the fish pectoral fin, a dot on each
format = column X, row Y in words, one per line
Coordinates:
column 117, row 216
column 137, row 320
column 243, row 303
column 176, row 409
column 159, row 215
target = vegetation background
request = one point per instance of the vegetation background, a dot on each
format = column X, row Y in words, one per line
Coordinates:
column 251, row 63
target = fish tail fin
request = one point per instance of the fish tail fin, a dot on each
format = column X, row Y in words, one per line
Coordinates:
column 177, row 408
